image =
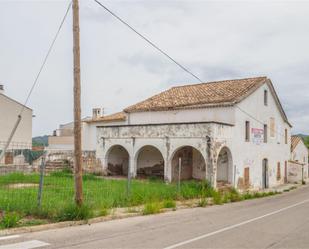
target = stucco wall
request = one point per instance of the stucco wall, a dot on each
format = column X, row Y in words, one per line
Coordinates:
column 295, row 172
column 222, row 114
column 149, row 156
column 9, row 110
column 300, row 154
column 251, row 154
column 168, row 139
column 60, row 143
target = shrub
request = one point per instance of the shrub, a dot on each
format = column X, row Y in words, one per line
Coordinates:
column 303, row 182
column 152, row 208
column 10, row 219
column 217, row 198
column 247, row 196
column 235, row 197
column 226, row 198
column 257, row 195
column 74, row 212
column 169, row 204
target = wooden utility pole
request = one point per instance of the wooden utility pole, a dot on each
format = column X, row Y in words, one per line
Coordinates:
column 77, row 109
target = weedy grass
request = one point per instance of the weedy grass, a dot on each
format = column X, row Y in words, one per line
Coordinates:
column 73, row 212
column 169, row 203
column 58, row 194
column 203, row 202
column 152, row 208
column 217, row 198
column 19, row 196
column 9, row 220
column 104, row 212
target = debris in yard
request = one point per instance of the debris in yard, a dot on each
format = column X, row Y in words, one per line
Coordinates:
column 156, row 170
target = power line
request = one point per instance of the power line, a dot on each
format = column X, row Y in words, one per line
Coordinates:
column 148, row 41
column 169, row 57
column 45, row 58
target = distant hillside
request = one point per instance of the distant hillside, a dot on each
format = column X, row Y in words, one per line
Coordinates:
column 302, row 135
column 305, row 138
column 39, row 141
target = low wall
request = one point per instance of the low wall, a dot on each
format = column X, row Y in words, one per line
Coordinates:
column 26, row 168
column 89, row 161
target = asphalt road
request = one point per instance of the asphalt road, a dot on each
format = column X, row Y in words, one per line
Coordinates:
column 280, row 221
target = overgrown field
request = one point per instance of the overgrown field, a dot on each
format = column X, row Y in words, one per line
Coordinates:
column 18, row 192
column 18, row 196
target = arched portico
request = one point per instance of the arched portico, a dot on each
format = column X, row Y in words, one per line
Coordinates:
column 224, row 167
column 117, row 159
column 149, row 161
column 193, row 164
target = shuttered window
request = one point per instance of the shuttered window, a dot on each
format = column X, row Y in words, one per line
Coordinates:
column 247, row 135
column 272, row 127
column 265, row 133
column 265, row 97
column 278, row 171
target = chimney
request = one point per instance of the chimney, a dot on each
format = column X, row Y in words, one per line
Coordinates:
column 2, row 89
column 97, row 113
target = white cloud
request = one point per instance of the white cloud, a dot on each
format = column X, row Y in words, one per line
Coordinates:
column 215, row 39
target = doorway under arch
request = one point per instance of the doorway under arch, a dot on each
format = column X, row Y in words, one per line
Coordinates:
column 224, row 167
column 117, row 161
column 149, row 162
column 193, row 165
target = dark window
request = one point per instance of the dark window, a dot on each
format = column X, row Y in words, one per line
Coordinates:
column 247, row 131
column 286, row 136
column 265, row 97
column 278, row 171
column 265, row 133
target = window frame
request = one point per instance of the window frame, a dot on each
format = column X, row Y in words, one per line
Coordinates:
column 265, row 97
column 265, row 134
column 247, row 131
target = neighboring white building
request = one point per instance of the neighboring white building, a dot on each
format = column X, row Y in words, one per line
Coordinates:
column 298, row 165
column 63, row 138
column 9, row 111
column 229, row 132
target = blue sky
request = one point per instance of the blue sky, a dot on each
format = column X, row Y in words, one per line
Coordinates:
column 215, row 39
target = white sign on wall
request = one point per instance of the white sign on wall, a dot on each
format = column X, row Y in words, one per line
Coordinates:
column 257, row 136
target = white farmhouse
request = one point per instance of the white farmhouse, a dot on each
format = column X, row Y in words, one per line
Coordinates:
column 9, row 111
column 298, row 165
column 230, row 132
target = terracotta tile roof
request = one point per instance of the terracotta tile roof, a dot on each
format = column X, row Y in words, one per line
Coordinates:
column 199, row 95
column 119, row 116
column 294, row 142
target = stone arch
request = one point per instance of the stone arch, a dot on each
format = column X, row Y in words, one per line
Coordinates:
column 193, row 163
column 149, row 161
column 117, row 159
column 225, row 166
